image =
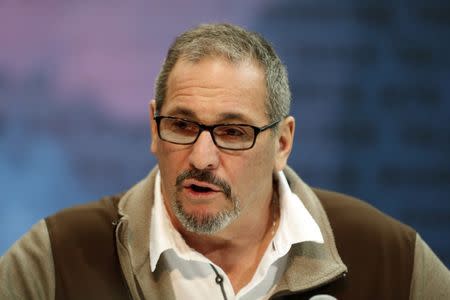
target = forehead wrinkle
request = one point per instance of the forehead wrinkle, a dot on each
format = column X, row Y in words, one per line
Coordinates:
column 191, row 89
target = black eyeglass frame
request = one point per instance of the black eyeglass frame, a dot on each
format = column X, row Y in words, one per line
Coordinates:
column 210, row 128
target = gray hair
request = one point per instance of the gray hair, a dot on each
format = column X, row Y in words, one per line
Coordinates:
column 236, row 45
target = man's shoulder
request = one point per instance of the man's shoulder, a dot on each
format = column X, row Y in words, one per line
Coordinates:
column 108, row 207
column 91, row 217
column 104, row 203
column 345, row 211
column 357, row 215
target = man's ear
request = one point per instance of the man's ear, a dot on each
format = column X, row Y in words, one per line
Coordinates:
column 153, row 128
column 285, row 140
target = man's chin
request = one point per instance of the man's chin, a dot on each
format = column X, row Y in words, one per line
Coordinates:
column 200, row 218
column 203, row 208
column 203, row 213
column 204, row 222
column 203, row 217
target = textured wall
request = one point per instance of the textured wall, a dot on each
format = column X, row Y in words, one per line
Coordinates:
column 371, row 85
column 370, row 79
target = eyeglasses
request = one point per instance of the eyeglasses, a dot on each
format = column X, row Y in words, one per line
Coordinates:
column 225, row 136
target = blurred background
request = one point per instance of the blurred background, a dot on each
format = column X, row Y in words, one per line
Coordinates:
column 370, row 82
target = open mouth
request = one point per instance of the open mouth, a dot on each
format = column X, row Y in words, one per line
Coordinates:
column 200, row 189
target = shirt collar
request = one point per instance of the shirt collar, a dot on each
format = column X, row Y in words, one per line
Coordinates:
column 160, row 227
column 296, row 225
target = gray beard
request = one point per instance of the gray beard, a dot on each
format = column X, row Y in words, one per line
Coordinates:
column 205, row 224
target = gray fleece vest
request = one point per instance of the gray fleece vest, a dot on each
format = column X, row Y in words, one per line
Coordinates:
column 378, row 251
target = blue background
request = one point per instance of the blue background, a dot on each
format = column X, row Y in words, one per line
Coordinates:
column 370, row 83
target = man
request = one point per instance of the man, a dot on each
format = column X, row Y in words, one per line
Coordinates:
column 222, row 216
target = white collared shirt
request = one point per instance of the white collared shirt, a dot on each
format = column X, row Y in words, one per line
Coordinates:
column 191, row 273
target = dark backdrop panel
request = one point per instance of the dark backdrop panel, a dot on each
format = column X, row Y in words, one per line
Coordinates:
column 371, row 87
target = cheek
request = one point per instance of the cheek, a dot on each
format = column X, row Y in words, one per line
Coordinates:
column 169, row 168
column 264, row 159
column 170, row 162
column 250, row 171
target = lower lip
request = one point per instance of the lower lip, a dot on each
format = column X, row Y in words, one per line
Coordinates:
column 202, row 195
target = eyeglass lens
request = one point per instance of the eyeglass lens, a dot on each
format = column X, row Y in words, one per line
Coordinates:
column 226, row 136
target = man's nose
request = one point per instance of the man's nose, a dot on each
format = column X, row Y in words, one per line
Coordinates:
column 204, row 153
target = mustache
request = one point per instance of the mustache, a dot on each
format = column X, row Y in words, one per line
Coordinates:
column 205, row 176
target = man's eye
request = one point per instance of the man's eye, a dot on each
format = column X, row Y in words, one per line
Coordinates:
column 184, row 127
column 180, row 124
column 233, row 132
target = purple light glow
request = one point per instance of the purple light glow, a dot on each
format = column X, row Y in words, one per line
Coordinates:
column 111, row 51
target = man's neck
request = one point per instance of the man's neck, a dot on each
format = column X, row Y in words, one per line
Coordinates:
column 238, row 245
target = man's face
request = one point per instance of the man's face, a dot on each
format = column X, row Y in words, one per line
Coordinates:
column 205, row 188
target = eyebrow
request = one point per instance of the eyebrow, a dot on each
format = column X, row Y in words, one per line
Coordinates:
column 184, row 112
column 223, row 117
